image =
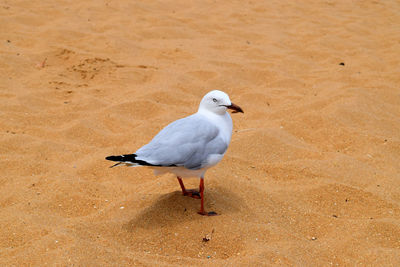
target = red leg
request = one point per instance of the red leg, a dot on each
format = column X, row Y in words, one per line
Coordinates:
column 189, row 193
column 182, row 185
column 202, row 211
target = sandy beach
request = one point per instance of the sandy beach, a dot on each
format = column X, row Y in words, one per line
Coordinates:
column 312, row 175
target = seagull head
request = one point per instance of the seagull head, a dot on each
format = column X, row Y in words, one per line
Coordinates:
column 218, row 102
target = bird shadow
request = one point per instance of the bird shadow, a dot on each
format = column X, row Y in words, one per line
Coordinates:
column 174, row 208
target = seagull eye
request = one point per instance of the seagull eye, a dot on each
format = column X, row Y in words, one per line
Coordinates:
column 214, row 99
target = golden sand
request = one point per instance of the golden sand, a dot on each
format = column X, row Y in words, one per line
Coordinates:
column 312, row 176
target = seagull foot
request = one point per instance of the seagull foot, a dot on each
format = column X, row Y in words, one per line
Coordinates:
column 205, row 213
column 192, row 193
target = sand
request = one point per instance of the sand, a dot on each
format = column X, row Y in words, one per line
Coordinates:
column 312, row 176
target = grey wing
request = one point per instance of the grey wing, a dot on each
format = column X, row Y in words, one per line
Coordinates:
column 199, row 159
column 186, row 142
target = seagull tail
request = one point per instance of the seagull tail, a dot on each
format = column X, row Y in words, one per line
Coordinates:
column 128, row 160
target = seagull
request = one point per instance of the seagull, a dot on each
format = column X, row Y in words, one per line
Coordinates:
column 188, row 147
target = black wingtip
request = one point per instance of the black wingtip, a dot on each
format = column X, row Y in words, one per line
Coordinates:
column 131, row 158
column 114, row 158
column 123, row 158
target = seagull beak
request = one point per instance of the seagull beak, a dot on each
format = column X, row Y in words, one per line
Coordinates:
column 235, row 108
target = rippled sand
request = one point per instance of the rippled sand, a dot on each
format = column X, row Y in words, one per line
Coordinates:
column 312, row 176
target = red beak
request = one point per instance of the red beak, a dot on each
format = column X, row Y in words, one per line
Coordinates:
column 235, row 108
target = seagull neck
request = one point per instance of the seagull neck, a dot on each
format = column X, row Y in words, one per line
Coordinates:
column 207, row 112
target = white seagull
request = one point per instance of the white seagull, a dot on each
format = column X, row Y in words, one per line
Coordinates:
column 190, row 146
